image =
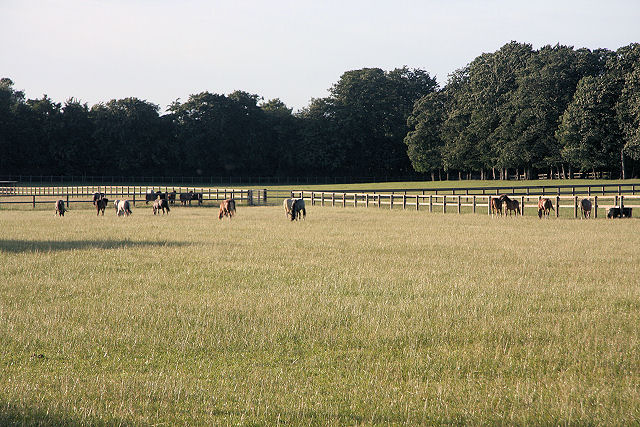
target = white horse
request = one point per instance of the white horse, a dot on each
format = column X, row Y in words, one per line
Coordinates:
column 288, row 206
column 123, row 208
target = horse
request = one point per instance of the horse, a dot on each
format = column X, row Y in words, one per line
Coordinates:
column 123, row 208
column 196, row 196
column 96, row 197
column 150, row 196
column 298, row 210
column 161, row 205
column 101, row 205
column 512, row 205
column 544, row 207
column 227, row 208
column 288, row 205
column 585, row 208
column 497, row 202
column 186, row 197
column 172, row 197
column 60, row 209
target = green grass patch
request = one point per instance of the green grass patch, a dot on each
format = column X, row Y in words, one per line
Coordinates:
column 354, row 316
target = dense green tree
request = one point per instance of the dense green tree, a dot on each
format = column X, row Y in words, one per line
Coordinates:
column 424, row 139
column 589, row 133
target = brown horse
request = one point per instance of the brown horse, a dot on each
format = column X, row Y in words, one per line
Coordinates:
column 585, row 208
column 227, row 208
column 512, row 205
column 544, row 207
column 497, row 202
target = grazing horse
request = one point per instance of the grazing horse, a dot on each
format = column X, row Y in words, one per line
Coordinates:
column 97, row 196
column 150, row 196
column 101, row 205
column 186, row 197
column 60, row 209
column 288, row 205
column 544, row 207
column 227, row 208
column 172, row 197
column 123, row 208
column 161, row 205
column 497, row 202
column 196, row 196
column 585, row 208
column 512, row 205
column 297, row 210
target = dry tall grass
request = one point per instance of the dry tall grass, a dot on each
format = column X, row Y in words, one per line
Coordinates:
column 354, row 316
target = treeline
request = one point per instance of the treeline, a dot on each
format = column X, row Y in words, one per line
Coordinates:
column 515, row 110
column 520, row 110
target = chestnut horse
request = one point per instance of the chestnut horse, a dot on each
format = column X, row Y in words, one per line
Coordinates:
column 227, row 208
column 544, row 207
column 496, row 204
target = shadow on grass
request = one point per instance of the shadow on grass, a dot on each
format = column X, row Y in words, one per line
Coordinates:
column 20, row 246
column 12, row 415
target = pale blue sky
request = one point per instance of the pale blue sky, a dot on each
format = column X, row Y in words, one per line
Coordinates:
column 295, row 50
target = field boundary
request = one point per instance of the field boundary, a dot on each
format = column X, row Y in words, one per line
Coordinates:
column 447, row 203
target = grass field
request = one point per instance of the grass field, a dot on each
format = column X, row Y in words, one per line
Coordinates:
column 354, row 316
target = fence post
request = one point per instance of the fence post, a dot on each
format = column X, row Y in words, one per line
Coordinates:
column 391, row 201
column 621, row 203
column 333, row 199
column 34, row 201
column 322, row 199
column 616, row 201
column 474, row 203
column 521, row 205
column 489, row 205
column 557, row 206
column 378, row 200
column 404, row 201
column 459, row 204
column 417, row 202
column 366, row 200
column 67, row 200
column 344, row 200
column 595, row 206
column 575, row 206
column 313, row 200
column 444, row 203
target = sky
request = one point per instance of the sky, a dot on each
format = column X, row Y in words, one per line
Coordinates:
column 295, row 50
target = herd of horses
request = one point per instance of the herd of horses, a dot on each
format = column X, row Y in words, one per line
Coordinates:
column 295, row 208
column 545, row 206
column 161, row 202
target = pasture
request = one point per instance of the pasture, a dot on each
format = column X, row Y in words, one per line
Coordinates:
column 353, row 316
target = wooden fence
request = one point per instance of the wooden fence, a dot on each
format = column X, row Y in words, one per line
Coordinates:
column 458, row 203
column 83, row 194
column 511, row 190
